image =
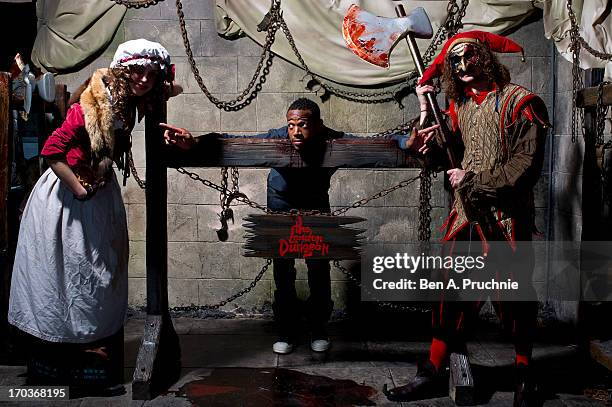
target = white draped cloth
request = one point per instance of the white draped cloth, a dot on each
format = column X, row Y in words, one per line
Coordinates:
column 595, row 26
column 70, row 280
column 316, row 26
column 72, row 31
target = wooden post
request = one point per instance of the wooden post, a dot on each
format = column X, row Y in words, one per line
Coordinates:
column 461, row 382
column 61, row 100
column 596, row 220
column 158, row 364
column 5, row 83
column 587, row 97
column 5, row 179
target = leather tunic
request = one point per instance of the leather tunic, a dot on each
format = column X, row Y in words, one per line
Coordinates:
column 490, row 133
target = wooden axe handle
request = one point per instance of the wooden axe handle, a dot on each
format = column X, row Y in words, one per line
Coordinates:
column 431, row 97
column 433, row 103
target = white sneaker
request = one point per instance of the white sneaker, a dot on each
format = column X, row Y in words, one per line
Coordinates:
column 282, row 348
column 320, row 345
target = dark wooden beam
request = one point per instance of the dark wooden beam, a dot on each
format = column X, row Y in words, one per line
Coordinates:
column 255, row 152
column 158, row 364
column 587, row 97
column 156, row 214
column 61, row 99
column 143, row 373
column 461, row 382
column 5, row 179
column 5, row 83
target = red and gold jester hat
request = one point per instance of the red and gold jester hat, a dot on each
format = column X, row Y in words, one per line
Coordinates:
column 494, row 42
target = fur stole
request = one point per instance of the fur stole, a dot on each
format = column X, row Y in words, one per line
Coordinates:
column 99, row 122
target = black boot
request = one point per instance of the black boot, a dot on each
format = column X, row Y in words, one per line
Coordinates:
column 524, row 390
column 426, row 384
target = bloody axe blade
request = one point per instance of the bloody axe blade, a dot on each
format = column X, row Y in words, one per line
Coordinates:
column 372, row 38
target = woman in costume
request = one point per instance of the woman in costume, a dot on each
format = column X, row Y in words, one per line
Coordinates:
column 70, row 278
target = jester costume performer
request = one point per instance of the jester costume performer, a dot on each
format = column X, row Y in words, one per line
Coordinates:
column 498, row 132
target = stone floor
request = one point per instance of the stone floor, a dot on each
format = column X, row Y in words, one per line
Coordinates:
column 229, row 363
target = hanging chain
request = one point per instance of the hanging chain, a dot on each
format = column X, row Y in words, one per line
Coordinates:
column 450, row 26
column 454, row 16
column 231, row 298
column 223, row 194
column 263, row 67
column 601, row 111
column 424, row 231
column 392, row 95
column 273, row 20
column 387, row 305
column 577, row 79
column 226, row 199
column 380, row 194
column 137, row 3
column 402, row 129
column 235, row 180
column 141, row 183
column 236, row 195
column 240, row 198
column 575, row 28
column 245, row 200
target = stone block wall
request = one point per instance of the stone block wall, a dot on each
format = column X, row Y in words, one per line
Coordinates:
column 202, row 269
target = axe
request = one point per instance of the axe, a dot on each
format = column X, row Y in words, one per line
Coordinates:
column 372, row 38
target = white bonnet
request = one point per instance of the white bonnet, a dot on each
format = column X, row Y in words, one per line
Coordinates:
column 141, row 52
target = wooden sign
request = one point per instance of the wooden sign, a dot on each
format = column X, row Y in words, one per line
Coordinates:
column 303, row 237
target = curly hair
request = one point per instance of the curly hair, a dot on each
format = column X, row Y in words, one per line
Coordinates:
column 123, row 100
column 492, row 69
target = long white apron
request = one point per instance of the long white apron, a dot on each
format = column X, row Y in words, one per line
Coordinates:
column 69, row 280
